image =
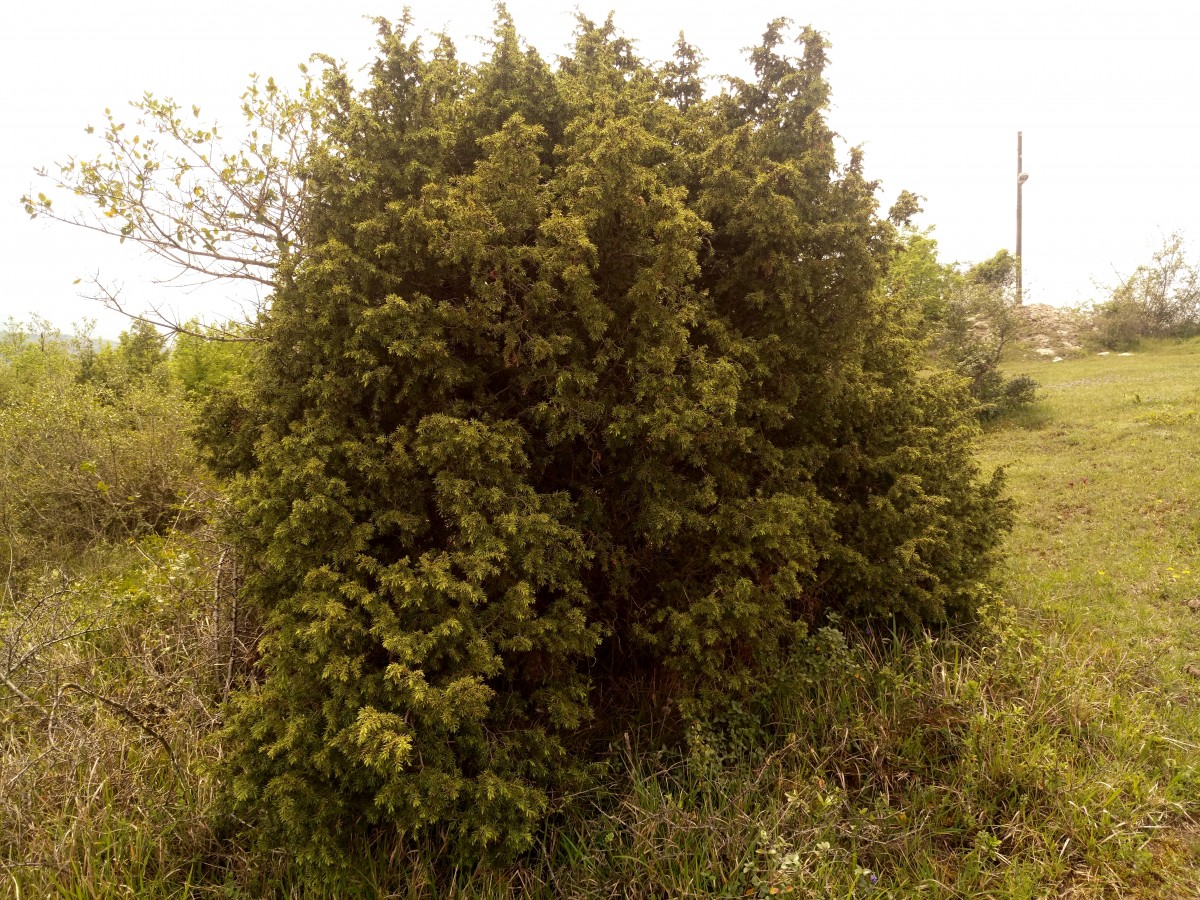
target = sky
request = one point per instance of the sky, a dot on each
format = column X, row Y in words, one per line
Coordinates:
column 935, row 92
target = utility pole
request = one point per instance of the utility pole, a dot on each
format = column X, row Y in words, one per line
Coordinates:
column 1022, row 177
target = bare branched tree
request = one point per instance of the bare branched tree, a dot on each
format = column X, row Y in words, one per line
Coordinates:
column 1165, row 291
column 170, row 183
column 232, row 331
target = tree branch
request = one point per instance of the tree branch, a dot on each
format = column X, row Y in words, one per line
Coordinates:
column 110, row 299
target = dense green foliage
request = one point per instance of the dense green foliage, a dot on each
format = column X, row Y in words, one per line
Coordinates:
column 84, row 459
column 970, row 317
column 572, row 444
column 581, row 398
column 1052, row 748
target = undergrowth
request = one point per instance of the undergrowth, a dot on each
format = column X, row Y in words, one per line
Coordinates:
column 991, row 763
column 1051, row 750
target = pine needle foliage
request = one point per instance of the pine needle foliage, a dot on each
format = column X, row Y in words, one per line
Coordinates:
column 581, row 397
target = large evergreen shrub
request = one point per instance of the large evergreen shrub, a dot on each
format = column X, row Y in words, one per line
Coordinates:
column 580, row 396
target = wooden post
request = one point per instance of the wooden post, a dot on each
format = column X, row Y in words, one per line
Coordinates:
column 1020, row 184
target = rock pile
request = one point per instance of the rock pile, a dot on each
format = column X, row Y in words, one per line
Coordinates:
column 1054, row 331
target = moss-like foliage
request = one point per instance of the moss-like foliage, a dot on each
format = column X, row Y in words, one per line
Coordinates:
column 579, row 395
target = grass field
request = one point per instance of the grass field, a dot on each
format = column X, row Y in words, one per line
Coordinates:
column 1106, row 550
column 1054, row 751
column 1106, row 474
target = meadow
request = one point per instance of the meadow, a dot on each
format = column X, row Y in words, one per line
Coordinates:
column 1052, row 750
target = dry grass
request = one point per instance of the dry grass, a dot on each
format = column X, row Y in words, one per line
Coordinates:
column 1054, row 751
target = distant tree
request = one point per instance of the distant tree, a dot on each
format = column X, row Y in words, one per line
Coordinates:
column 984, row 309
column 82, row 464
column 1160, row 299
column 138, row 357
column 204, row 367
column 968, row 318
column 917, row 279
column 580, row 394
column 141, row 348
column 905, row 209
column 983, row 320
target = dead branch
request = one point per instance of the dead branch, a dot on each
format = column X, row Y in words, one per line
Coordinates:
column 110, row 298
column 131, row 716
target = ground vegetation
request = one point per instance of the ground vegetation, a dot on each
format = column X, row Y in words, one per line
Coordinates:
column 598, row 509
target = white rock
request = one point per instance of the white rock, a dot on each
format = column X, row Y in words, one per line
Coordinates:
column 1102, row 353
column 1056, row 359
column 1124, row 354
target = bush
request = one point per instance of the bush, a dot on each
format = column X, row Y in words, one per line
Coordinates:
column 82, row 462
column 978, row 320
column 1160, row 299
column 118, row 633
column 581, row 400
column 995, row 394
column 208, row 361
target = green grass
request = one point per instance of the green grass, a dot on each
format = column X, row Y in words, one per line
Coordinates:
column 1106, row 549
column 1106, row 475
column 1105, row 467
column 1054, row 751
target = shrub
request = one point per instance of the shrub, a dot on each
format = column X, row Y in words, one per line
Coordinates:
column 977, row 319
column 206, row 361
column 118, row 634
column 579, row 397
column 81, row 462
column 1160, row 299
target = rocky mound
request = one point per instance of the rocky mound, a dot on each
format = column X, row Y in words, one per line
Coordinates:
column 1054, row 331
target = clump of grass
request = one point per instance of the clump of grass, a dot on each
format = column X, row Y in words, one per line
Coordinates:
column 1167, row 418
column 115, row 674
column 992, row 762
column 988, row 765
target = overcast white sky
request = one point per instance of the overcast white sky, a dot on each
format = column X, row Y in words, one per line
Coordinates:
column 935, row 90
